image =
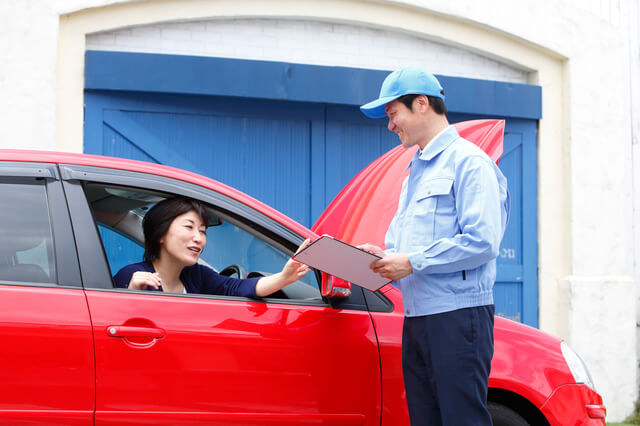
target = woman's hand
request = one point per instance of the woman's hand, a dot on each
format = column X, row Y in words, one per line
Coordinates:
column 294, row 270
column 140, row 280
column 291, row 272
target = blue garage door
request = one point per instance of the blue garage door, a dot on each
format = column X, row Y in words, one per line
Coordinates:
column 292, row 154
column 516, row 290
column 242, row 143
column 351, row 138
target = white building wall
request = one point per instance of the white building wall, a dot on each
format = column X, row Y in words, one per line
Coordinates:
column 633, row 24
column 28, row 42
column 589, row 231
column 306, row 42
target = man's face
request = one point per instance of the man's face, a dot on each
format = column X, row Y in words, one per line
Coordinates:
column 404, row 122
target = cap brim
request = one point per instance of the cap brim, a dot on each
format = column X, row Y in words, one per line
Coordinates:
column 375, row 109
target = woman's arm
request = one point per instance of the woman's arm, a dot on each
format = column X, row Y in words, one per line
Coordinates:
column 291, row 272
column 137, row 276
column 140, row 280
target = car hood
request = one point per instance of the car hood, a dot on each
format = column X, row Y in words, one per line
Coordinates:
column 362, row 211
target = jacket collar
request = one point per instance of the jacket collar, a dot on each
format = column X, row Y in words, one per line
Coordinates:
column 438, row 144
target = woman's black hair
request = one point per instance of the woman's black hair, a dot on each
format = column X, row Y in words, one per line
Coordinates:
column 157, row 221
column 436, row 103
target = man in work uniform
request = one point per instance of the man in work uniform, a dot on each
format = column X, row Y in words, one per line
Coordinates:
column 441, row 250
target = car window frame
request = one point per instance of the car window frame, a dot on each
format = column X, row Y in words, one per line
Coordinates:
column 64, row 250
column 90, row 248
column 226, row 219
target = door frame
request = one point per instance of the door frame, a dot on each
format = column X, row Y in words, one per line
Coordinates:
column 519, row 104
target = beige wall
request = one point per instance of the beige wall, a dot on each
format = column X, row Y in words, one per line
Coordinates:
column 579, row 54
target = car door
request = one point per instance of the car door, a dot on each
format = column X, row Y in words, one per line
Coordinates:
column 188, row 359
column 47, row 370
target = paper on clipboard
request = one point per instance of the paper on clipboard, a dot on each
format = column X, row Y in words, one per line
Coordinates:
column 342, row 260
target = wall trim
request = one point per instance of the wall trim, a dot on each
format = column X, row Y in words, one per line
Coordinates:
column 551, row 74
column 180, row 74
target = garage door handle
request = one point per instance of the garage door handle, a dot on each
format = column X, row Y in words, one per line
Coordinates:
column 126, row 331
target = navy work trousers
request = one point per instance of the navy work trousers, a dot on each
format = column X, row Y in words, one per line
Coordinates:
column 446, row 359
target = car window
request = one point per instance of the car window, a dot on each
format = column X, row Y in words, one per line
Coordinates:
column 234, row 247
column 120, row 249
column 233, row 250
column 26, row 246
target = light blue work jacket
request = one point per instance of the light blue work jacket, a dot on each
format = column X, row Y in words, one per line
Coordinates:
column 451, row 216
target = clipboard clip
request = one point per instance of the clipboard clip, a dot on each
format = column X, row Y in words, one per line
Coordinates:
column 334, row 287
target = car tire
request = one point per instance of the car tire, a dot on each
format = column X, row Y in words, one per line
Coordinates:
column 502, row 415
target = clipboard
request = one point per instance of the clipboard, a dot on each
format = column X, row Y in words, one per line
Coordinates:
column 342, row 260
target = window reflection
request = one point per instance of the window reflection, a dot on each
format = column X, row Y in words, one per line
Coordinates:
column 26, row 250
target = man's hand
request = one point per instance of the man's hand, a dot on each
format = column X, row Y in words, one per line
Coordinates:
column 393, row 266
column 370, row 248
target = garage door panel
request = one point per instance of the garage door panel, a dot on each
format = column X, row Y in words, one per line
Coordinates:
column 124, row 137
column 241, row 150
column 297, row 156
column 352, row 147
column 116, row 145
column 516, row 289
column 511, row 166
column 353, row 142
column 274, row 165
column 508, row 300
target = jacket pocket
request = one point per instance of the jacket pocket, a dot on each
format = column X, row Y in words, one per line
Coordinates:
column 428, row 191
column 433, row 203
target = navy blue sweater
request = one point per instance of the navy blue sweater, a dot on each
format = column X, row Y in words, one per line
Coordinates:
column 197, row 279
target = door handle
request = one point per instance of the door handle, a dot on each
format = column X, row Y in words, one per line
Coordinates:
column 128, row 331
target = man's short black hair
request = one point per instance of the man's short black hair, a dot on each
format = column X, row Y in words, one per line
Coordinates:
column 436, row 103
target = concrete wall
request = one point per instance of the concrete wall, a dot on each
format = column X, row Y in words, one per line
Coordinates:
column 28, row 55
column 633, row 24
column 306, row 42
column 583, row 54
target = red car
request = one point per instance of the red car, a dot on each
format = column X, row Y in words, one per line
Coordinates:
column 77, row 351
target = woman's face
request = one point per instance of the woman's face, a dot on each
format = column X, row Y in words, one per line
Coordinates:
column 185, row 239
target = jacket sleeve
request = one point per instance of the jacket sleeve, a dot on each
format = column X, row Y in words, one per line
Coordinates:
column 480, row 200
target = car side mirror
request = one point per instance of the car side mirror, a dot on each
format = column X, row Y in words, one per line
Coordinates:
column 334, row 287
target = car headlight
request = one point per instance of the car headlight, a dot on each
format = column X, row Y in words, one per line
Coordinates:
column 577, row 366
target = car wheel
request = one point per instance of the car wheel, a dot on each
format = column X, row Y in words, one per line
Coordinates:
column 505, row 416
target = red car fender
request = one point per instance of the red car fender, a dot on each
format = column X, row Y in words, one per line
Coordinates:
column 526, row 362
column 574, row 404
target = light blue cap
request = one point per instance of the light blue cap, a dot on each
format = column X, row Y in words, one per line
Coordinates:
column 405, row 81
